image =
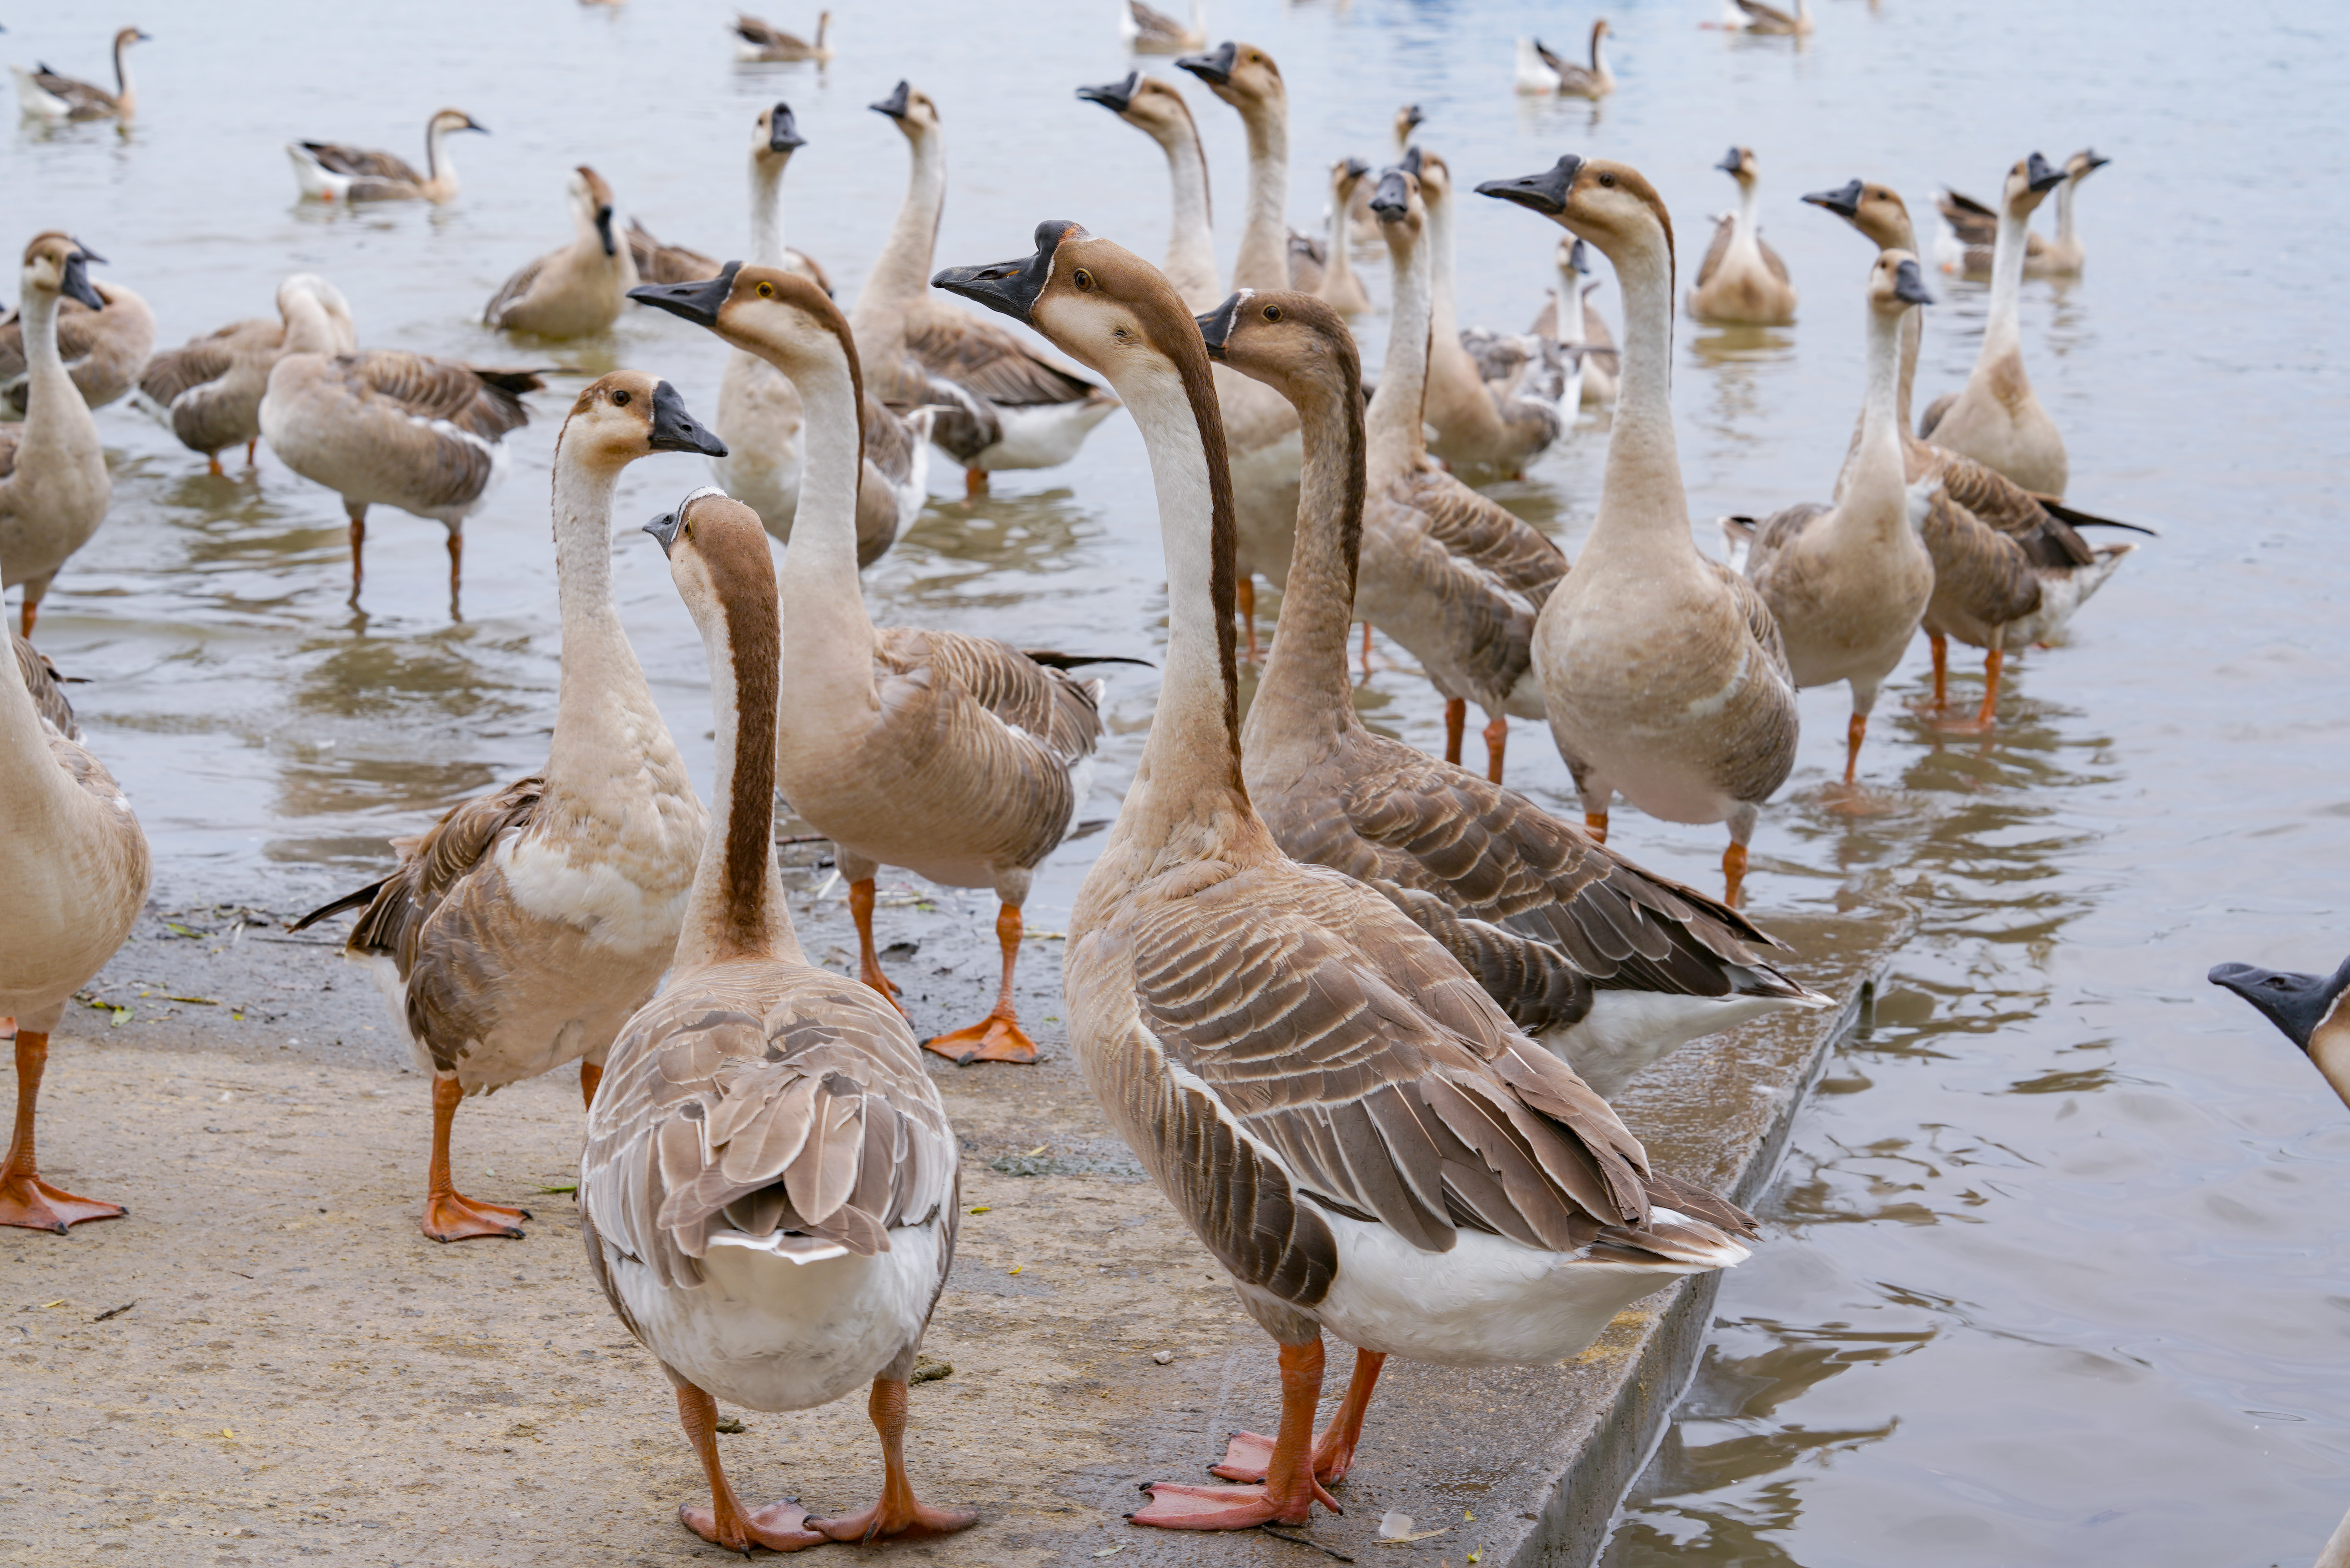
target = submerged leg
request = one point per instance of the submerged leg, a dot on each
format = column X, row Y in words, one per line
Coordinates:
column 449, row 1214
column 899, row 1512
column 1456, row 720
column 1497, row 741
column 997, row 1037
column 590, row 1075
column 1986, row 717
column 868, row 962
column 211, row 464
column 1244, row 593
column 1247, row 1454
column 250, row 448
column 974, row 483
column 359, row 549
column 1288, row 1493
column 456, row 569
column 1854, row 733
column 779, row 1526
column 24, row 1199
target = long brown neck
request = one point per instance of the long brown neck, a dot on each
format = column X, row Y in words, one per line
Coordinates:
column 1306, row 687
column 736, row 909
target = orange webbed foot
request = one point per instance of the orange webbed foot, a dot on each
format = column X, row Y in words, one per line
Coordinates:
column 873, row 977
column 1174, row 1506
column 886, row 1519
column 31, row 1203
column 994, row 1038
column 1247, row 1454
column 453, row 1217
column 779, row 1527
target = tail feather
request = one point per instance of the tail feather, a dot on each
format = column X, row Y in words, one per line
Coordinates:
column 2080, row 519
column 1052, row 660
column 358, row 901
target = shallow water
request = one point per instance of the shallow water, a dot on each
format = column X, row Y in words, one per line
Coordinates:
column 2054, row 1273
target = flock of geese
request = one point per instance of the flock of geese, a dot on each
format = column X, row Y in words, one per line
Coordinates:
column 1356, row 1009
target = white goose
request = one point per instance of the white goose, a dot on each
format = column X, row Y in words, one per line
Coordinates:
column 53, row 487
column 1344, row 1119
column 334, row 171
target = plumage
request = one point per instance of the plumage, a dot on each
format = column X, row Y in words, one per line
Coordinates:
column 1149, row 31
column 45, row 685
column 577, row 290
column 104, row 349
column 210, row 390
column 1766, row 20
column 1742, row 282
column 44, row 94
column 334, row 171
column 1481, row 427
column 762, row 42
column 1541, row 72
column 53, row 485
column 1972, row 229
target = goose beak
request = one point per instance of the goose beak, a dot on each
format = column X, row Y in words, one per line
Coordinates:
column 473, row 124
column 1412, row 118
column 696, row 302
column 2091, row 162
column 1412, row 162
column 1909, row 283
column 664, row 528
column 1579, row 258
column 2040, row 175
column 1216, row 327
column 674, row 430
column 1731, row 162
column 1215, row 69
column 2295, row 1003
column 1844, row 201
column 1392, row 200
column 783, row 132
column 604, row 227
column 1011, row 289
column 1357, row 168
column 1545, row 193
column 1113, row 95
column 894, row 106
column 74, row 284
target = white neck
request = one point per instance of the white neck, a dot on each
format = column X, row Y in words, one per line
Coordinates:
column 1444, row 321
column 34, row 791
column 1872, row 490
column 1569, row 315
column 903, row 271
column 1263, row 259
column 309, row 326
column 2065, row 213
column 827, row 635
column 1747, row 231
column 1396, row 430
column 1642, row 507
column 601, row 699
column 1335, row 235
column 52, row 401
column 720, row 921
column 436, row 154
column 2003, row 325
column 1191, row 242
column 768, row 209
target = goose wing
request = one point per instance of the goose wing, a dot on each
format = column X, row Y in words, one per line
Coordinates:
column 80, row 96
column 10, row 436
column 889, row 444
column 988, row 360
column 765, row 35
column 481, row 402
column 362, row 162
column 1767, row 542
column 1049, row 706
column 515, row 288
column 47, row 686
column 1719, row 248
column 1478, row 529
column 207, row 358
column 1974, row 223
column 1559, row 68
column 1999, row 502
column 658, row 262
column 1980, row 575
column 1770, row 259
column 1154, row 24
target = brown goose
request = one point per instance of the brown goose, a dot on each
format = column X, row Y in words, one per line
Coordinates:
column 1662, row 672
column 1764, row 20
column 522, row 931
column 1605, row 964
column 759, row 42
column 579, row 290
column 1969, row 245
column 1363, row 224
column 1543, row 72
column 210, row 390
column 1321, row 266
column 332, row 171
column 1483, row 428
column 105, row 347
column 1148, row 31
column 1344, row 1119
column 43, row 94
column 53, row 485
column 1742, row 282
column 962, row 759
column 1159, row 111
column 768, row 1188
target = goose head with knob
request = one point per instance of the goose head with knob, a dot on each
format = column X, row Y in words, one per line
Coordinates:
column 1877, row 211
column 627, row 415
column 2313, row 1010
column 910, row 109
column 1596, row 199
column 1243, row 75
column 58, row 264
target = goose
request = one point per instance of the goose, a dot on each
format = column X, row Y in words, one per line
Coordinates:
column 1147, row 31
column 1260, row 424
column 53, row 486
column 76, row 868
column 762, row 1107
column 1662, row 672
column 1364, row 224
column 1481, row 429
column 1452, row 575
column 1159, row 111
column 1764, row 20
column 1848, row 582
column 332, row 171
column 1995, row 419
column 1585, row 330
column 105, row 351
column 759, row 42
column 1542, row 73
column 2307, row 1009
column 43, row 94
column 1609, row 966
column 1321, row 267
column 209, row 390
column 1742, row 282
column 1973, row 231
column 2008, row 564
column 759, row 415
column 381, row 427
column 1357, row 1134
column 959, row 758
column 579, row 290
column 775, row 135
column 1002, row 405
column 523, row 929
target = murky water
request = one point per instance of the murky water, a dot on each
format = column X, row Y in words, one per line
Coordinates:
column 2055, row 1272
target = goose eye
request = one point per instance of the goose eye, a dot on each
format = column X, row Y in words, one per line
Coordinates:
column 1273, row 312
column 766, row 290
column 620, row 398
column 1084, row 279
column 1608, row 180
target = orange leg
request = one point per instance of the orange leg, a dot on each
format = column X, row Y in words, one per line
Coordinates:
column 1366, row 648
column 1940, row 647
column 974, row 483
column 779, row 1526
column 1853, row 734
column 359, row 550
column 1595, row 823
column 211, row 464
column 1456, row 719
column 590, row 1075
column 250, row 448
column 1986, row 717
column 1288, row 1493
column 997, row 1037
column 27, row 613
column 868, row 962
column 898, row 1512
column 1497, row 741
column 24, row 1199
column 449, row 1214
column 1247, row 1454
column 1244, row 591
column 456, row 569
column 1733, row 873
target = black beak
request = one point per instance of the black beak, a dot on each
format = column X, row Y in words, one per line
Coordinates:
column 1009, row 287
column 783, row 132
column 664, row 528
column 1844, row 201
column 2295, row 1003
column 1579, row 258
column 1392, row 200
column 1545, row 193
column 1730, row 161
column 1411, row 162
column 1412, row 118
column 1113, row 95
column 1357, row 168
column 894, row 106
column 146, row 38
column 1216, row 327
column 2091, row 162
column 1909, row 283
column 2042, row 175
column 604, row 227
column 1215, row 68
column 74, row 284
column 696, row 302
column 674, row 430
column 471, row 125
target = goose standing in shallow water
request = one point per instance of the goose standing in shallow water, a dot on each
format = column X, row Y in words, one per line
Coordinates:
column 1344, row 1119
column 209, row 390
column 1742, row 282
column 43, row 94
column 1763, row 20
column 1322, row 268
column 1609, row 966
column 763, row 43
column 768, row 1193
column 579, row 290
column 75, row 868
column 53, row 486
column 1662, row 672
column 523, row 928
column 2310, row 1010
column 105, row 348
column 1970, row 243
column 1483, row 428
column 1542, row 73
column 961, row 758
column 332, row 171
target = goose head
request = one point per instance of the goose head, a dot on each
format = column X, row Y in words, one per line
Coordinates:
column 1877, row 211
column 1148, row 104
column 1611, row 204
column 780, row 316
column 1599, row 30
column 452, row 119
column 718, row 558
column 57, row 264
column 591, row 206
column 2298, row 1005
column 1573, row 256
column 318, row 317
column 1345, row 175
column 1401, row 211
column 1292, row 342
column 1435, row 175
column 129, row 35
column 909, row 109
column 1243, row 75
column 628, row 414
column 2028, row 184
column 1739, row 164
column 1896, row 283
column 776, row 136
column 1408, row 120
column 2083, row 164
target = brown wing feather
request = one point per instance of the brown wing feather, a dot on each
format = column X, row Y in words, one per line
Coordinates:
column 362, row 162
column 1719, row 248
column 1770, row 259
column 988, row 360
column 482, row 402
column 1982, row 578
column 1479, row 529
column 46, row 687
column 205, row 359
column 11, row 435
column 2000, row 504
column 513, row 289
column 1974, row 223
column 432, row 865
column 1048, row 704
column 658, row 262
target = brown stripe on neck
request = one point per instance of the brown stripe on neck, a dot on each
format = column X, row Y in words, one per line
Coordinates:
column 745, row 577
column 1350, row 416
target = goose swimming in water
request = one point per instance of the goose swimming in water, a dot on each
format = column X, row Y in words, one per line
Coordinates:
column 332, row 171
column 1543, row 72
column 1742, row 282
column 43, row 94
column 1969, row 242
column 759, row 42
column 1148, row 31
column 579, row 290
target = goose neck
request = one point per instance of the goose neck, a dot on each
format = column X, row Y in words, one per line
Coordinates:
column 1305, row 688
column 1398, row 434
column 903, row 271
column 1599, row 57
column 309, row 329
column 1444, row 321
column 1567, row 325
column 2065, row 213
column 736, row 909
column 1875, row 473
column 121, row 72
column 767, row 211
column 1642, row 506
column 1913, row 333
column 601, row 687
column 39, row 308
column 1191, row 242
column 437, row 167
column 2002, row 331
column 1263, row 259
column 1749, row 230
column 829, row 637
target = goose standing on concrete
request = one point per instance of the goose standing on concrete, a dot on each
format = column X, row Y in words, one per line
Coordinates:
column 1147, row 31
column 1742, row 282
column 961, row 758
column 1969, row 242
column 1482, row 429
column 1002, row 405
column 1662, row 672
column 763, row 43
column 76, row 868
column 579, row 290
column 2307, row 1009
column 1995, row 417
column 1452, row 575
column 104, row 349
column 381, row 427
column 43, row 94
column 1604, row 964
column 1542, row 73
column 1258, row 1030
column 1848, row 582
column 523, row 929
column 210, row 390
column 1159, row 111
column 767, row 1192
column 1322, row 268
column 53, row 487
column 332, row 171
